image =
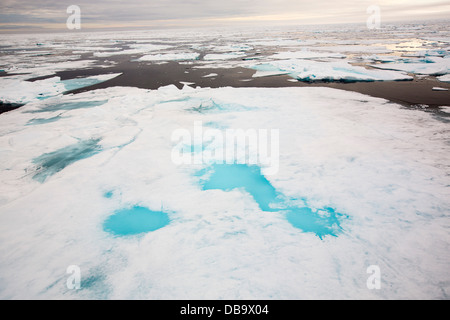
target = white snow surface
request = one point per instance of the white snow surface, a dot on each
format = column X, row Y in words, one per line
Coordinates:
column 383, row 166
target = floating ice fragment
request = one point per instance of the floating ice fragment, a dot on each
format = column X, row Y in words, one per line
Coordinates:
column 136, row 49
column 186, row 83
column 354, row 48
column 77, row 83
column 434, row 66
column 445, row 78
column 14, row 90
column 22, row 92
column 311, row 71
column 267, row 70
column 305, row 54
column 224, row 56
column 210, row 75
column 428, row 53
column 170, row 57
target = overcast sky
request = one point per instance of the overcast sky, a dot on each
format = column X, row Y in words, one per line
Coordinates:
column 51, row 14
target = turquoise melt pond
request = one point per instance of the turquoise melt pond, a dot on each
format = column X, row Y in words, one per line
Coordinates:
column 134, row 221
column 227, row 177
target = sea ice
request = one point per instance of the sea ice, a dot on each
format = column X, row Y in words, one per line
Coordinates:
column 224, row 56
column 210, row 75
column 305, row 54
column 76, row 166
column 310, row 71
column 340, row 152
column 170, row 57
column 50, row 163
column 445, row 78
column 15, row 90
column 21, row 92
column 354, row 49
column 439, row 66
column 77, row 83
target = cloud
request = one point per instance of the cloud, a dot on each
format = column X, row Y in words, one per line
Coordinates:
column 141, row 12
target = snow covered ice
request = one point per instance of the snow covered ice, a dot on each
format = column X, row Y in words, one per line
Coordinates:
column 15, row 90
column 310, row 71
column 88, row 179
column 222, row 238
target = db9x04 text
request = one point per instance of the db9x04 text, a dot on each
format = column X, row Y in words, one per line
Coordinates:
column 244, row 309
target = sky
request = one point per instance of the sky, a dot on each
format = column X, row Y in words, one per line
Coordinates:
column 17, row 15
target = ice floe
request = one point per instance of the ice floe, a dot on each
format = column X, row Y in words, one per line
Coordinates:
column 444, row 78
column 170, row 56
column 354, row 48
column 141, row 49
column 434, row 66
column 372, row 175
column 210, row 75
column 310, row 71
column 88, row 179
column 305, row 54
column 224, row 56
column 15, row 90
column 31, row 68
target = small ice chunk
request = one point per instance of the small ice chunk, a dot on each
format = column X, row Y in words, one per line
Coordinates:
column 445, row 109
column 445, row 78
column 224, row 56
column 210, row 75
column 185, row 83
column 170, row 56
column 306, row 54
column 77, row 83
column 268, row 73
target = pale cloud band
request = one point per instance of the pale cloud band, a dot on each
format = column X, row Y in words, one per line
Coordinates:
column 17, row 14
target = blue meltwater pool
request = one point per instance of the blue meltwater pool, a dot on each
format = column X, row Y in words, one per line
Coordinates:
column 135, row 220
column 322, row 222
